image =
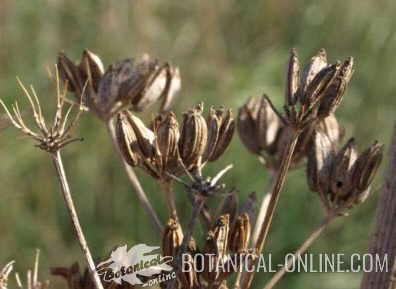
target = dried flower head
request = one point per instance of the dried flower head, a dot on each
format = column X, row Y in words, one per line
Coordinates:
column 341, row 178
column 50, row 139
column 317, row 91
column 263, row 132
column 128, row 83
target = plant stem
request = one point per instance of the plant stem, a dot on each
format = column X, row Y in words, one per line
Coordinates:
column 263, row 210
column 279, row 182
column 57, row 160
column 307, row 243
column 140, row 193
column 169, row 196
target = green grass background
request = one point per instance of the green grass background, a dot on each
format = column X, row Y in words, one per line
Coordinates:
column 227, row 50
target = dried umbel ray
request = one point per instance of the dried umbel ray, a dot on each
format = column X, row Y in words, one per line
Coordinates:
column 128, row 83
column 342, row 178
column 170, row 148
column 50, row 138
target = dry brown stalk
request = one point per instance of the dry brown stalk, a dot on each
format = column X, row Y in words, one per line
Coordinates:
column 384, row 236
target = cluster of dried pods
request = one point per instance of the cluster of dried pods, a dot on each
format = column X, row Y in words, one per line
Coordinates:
column 128, row 83
column 169, row 149
column 165, row 149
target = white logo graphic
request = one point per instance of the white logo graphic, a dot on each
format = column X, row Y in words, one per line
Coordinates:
column 126, row 265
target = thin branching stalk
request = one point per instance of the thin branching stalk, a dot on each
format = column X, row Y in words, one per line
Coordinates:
column 263, row 209
column 247, row 278
column 167, row 188
column 140, row 193
column 57, row 160
column 301, row 250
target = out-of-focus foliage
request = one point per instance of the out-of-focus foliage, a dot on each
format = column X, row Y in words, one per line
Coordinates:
column 227, row 50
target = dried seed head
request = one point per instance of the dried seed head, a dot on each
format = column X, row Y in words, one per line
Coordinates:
column 293, row 79
column 334, row 93
column 172, row 237
column 166, row 130
column 193, row 138
column 259, row 125
column 240, row 234
column 319, row 90
column 342, row 179
column 124, row 84
column 127, row 141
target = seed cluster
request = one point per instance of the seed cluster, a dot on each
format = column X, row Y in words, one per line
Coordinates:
column 167, row 148
column 127, row 83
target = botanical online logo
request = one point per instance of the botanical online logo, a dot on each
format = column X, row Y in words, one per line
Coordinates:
column 134, row 264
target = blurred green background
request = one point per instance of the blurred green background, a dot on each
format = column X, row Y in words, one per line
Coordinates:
column 227, row 50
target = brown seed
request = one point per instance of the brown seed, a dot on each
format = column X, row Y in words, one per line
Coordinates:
column 293, row 79
column 172, row 237
column 71, row 74
column 127, row 140
column 92, row 67
column 367, row 166
column 166, row 130
column 316, row 64
column 145, row 137
column 341, row 177
column 213, row 123
column 193, row 138
column 320, row 161
column 226, row 131
column 173, row 86
column 240, row 234
column 333, row 95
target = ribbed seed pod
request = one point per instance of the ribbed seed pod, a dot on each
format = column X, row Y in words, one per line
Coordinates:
column 320, row 162
column 213, row 123
column 333, row 95
column 145, row 137
column 172, row 237
column 227, row 127
column 127, row 141
column 240, row 234
column 341, row 177
column 166, row 130
column 215, row 248
column 173, row 86
column 292, row 79
column 367, row 166
column 71, row 74
column 92, row 68
column 193, row 138
column 316, row 64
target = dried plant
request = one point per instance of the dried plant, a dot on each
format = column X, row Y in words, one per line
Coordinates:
column 171, row 151
column 52, row 139
column 127, row 84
